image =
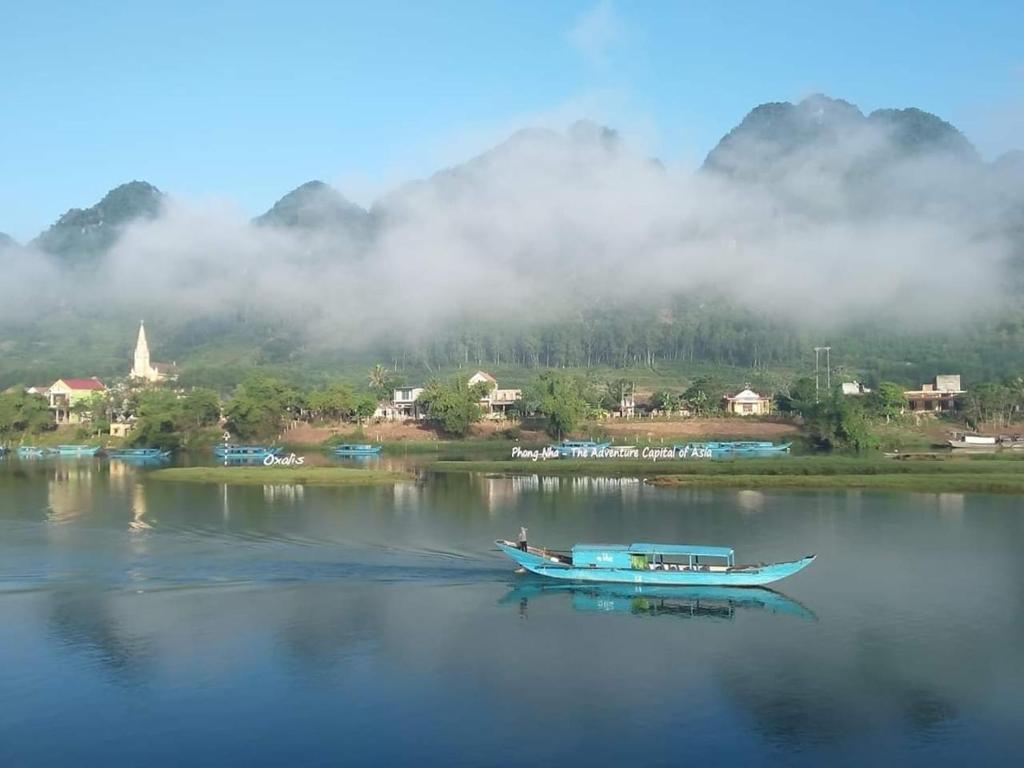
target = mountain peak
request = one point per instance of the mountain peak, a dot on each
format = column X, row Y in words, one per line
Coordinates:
column 85, row 233
column 316, row 205
column 772, row 132
column 915, row 131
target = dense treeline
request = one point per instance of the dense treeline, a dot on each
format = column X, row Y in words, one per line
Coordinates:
column 219, row 352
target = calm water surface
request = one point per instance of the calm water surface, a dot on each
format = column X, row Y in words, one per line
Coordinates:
column 144, row 623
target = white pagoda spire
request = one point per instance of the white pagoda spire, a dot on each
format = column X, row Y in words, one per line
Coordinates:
column 141, row 368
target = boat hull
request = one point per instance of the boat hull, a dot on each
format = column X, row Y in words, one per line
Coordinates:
column 964, row 445
column 742, row 576
column 78, row 450
column 369, row 451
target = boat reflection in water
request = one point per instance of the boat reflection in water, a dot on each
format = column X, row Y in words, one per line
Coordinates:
column 640, row 600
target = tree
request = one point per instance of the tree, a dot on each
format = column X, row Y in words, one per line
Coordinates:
column 989, row 402
column 887, row 401
column 158, row 419
column 381, row 381
column 365, row 407
column 616, row 392
column 666, row 401
column 704, row 395
column 454, row 406
column 802, row 395
column 259, row 405
column 841, row 423
column 201, row 408
column 564, row 399
column 21, row 413
column 100, row 408
column 336, row 402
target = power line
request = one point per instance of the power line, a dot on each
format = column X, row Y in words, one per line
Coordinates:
column 828, row 370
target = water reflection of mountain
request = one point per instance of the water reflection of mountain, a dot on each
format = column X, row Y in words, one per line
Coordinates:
column 684, row 602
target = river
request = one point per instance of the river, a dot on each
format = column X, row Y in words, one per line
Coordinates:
column 150, row 623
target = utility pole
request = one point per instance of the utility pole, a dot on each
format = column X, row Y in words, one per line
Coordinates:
column 828, row 370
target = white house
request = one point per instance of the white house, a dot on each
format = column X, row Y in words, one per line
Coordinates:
column 497, row 402
column 403, row 405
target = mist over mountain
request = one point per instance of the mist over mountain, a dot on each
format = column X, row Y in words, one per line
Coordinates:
column 6, row 241
column 809, row 213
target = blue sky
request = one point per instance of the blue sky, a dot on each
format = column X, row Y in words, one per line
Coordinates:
column 245, row 100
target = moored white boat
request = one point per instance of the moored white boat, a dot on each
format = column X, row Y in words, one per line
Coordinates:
column 973, row 441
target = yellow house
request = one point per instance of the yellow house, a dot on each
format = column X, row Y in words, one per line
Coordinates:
column 121, row 428
column 748, row 403
column 65, row 393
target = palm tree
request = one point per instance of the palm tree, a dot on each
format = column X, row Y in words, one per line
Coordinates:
column 381, row 381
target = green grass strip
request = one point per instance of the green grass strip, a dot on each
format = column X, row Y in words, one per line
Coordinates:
column 278, row 475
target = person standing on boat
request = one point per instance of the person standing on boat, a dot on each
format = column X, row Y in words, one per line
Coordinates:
column 522, row 538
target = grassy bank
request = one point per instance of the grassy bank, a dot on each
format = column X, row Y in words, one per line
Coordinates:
column 936, row 474
column 924, row 483
column 278, row 475
column 783, row 466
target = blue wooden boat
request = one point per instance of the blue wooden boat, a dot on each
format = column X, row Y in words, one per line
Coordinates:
column 654, row 564
column 356, row 449
column 734, row 448
column 231, row 451
column 77, row 450
column 579, row 449
column 32, row 452
column 762, row 449
column 138, row 453
column 134, row 453
column 642, row 600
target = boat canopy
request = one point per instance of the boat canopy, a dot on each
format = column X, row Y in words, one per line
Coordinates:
column 621, row 556
column 644, row 548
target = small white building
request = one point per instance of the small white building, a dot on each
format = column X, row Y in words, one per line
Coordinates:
column 854, row 388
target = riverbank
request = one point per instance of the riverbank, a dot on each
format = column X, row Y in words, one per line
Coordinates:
column 980, row 474
column 278, row 475
column 921, row 483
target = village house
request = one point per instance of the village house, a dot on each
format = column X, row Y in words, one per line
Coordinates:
column 121, row 428
column 143, row 369
column 854, row 388
column 403, row 405
column 940, row 396
column 748, row 403
column 64, row 394
column 497, row 402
